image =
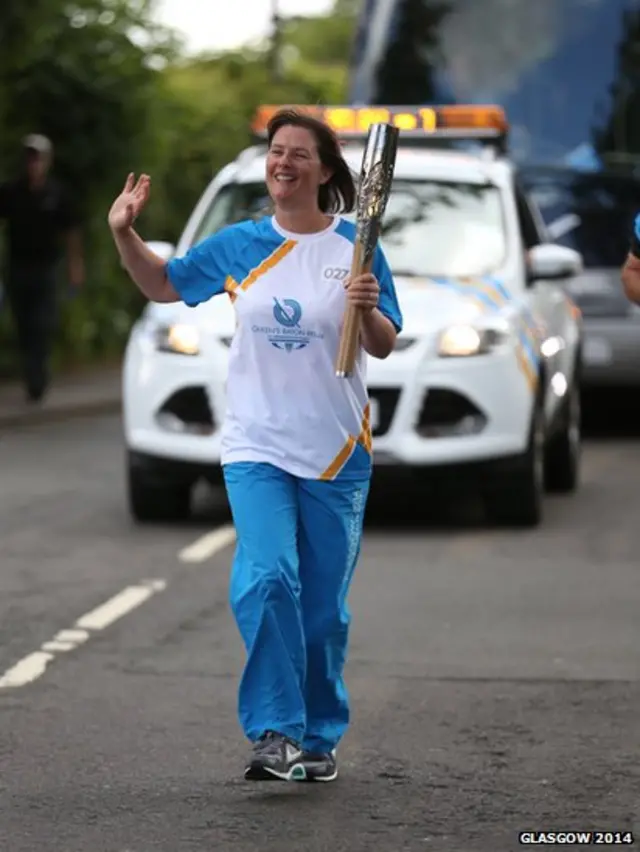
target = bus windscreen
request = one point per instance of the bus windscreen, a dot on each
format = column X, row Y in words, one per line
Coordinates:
column 564, row 71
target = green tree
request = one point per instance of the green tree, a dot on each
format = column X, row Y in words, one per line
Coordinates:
column 347, row 8
column 87, row 76
column 207, row 107
column 86, row 81
column 322, row 40
column 115, row 94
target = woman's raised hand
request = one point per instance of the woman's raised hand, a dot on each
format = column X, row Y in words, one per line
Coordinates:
column 129, row 204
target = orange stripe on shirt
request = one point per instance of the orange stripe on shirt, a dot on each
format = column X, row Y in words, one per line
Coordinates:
column 343, row 456
column 364, row 437
column 268, row 263
column 230, row 285
column 340, row 460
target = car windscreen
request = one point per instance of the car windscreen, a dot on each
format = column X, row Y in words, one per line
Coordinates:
column 590, row 212
column 430, row 227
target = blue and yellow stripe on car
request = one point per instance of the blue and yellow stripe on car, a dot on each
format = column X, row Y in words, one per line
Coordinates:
column 476, row 291
column 490, row 294
column 528, row 359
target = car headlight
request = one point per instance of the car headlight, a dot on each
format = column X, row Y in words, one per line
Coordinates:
column 459, row 341
column 178, row 338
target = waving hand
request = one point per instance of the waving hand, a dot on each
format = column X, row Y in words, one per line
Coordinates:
column 129, row 204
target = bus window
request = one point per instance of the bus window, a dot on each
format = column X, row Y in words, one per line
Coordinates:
column 565, row 71
column 591, row 213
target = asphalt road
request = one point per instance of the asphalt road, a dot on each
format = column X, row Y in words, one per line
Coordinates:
column 495, row 676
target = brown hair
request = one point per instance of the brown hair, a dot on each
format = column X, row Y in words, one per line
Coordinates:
column 338, row 194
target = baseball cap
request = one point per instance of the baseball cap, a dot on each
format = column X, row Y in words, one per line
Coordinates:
column 37, row 142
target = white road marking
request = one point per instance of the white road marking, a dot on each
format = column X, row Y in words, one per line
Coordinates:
column 203, row 548
column 120, row 605
column 58, row 646
column 76, row 636
column 66, row 640
column 28, row 669
column 33, row 666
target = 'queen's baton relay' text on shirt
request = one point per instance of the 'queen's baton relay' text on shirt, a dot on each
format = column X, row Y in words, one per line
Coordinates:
column 285, row 404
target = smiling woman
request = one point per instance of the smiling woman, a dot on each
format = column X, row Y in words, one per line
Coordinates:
column 296, row 441
column 304, row 160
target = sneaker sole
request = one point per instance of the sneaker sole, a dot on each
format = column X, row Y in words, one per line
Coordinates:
column 318, row 779
column 258, row 772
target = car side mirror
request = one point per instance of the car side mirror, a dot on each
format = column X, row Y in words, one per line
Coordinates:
column 551, row 262
column 162, row 249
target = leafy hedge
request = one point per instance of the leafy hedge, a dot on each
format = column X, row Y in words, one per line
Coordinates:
column 115, row 94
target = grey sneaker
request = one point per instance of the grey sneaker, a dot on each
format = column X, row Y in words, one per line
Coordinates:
column 320, row 767
column 275, row 757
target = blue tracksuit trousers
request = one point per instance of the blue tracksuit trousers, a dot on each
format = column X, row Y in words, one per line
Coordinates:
column 298, row 541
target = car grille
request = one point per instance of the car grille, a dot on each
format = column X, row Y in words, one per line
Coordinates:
column 387, row 400
column 190, row 407
column 446, row 413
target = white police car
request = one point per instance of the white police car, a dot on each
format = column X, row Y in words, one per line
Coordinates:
column 485, row 375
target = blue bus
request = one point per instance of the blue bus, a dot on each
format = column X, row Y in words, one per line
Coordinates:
column 567, row 72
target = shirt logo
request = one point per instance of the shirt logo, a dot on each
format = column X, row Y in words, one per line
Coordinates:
column 288, row 334
column 287, row 313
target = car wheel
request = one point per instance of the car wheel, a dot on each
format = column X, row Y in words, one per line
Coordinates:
column 151, row 499
column 562, row 461
column 515, row 497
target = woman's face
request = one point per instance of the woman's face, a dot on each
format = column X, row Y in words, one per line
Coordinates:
column 294, row 169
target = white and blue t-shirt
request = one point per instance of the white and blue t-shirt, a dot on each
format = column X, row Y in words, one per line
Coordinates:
column 285, row 404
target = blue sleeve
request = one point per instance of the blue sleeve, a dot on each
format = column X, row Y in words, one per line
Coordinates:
column 388, row 302
column 202, row 272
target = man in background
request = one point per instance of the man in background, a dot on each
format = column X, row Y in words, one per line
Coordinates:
column 41, row 224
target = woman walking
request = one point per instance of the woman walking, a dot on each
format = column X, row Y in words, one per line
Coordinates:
column 296, row 445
